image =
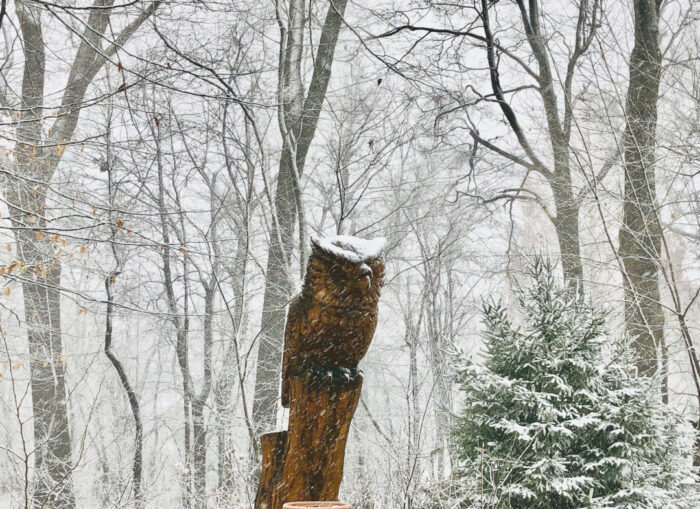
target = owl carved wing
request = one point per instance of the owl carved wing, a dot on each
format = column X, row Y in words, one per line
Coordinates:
column 292, row 343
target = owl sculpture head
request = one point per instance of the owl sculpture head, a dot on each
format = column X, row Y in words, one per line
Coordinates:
column 345, row 271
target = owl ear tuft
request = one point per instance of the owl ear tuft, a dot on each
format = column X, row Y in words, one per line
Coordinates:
column 319, row 248
column 315, row 244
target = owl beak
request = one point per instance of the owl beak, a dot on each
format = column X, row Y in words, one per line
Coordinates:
column 366, row 274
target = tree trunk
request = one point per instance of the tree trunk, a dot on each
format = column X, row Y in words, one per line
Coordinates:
column 137, row 464
column 199, row 455
column 640, row 234
column 275, row 301
column 223, row 389
column 223, row 394
column 306, row 462
column 567, row 229
column 26, row 192
column 42, row 304
column 413, row 463
column 440, row 371
column 53, row 462
column 199, row 427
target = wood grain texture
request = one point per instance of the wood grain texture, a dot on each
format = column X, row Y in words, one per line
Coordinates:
column 274, row 450
column 330, row 325
column 316, row 505
column 306, row 462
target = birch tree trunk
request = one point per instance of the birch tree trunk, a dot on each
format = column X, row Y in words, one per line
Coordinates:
column 298, row 118
column 640, row 234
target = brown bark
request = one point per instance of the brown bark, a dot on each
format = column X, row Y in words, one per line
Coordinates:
column 329, row 328
column 315, row 505
column 306, row 462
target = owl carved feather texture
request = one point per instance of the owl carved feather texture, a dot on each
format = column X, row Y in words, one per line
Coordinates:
column 330, row 324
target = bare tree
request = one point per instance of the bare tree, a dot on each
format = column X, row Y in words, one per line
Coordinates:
column 241, row 207
column 554, row 91
column 173, row 223
column 109, row 280
column 26, row 181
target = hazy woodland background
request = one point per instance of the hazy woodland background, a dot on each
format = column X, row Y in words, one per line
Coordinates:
column 154, row 176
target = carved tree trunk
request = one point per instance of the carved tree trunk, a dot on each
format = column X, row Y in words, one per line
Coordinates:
column 316, row 505
column 329, row 328
column 306, row 462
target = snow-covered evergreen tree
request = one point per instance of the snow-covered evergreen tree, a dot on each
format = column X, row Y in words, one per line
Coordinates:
column 556, row 418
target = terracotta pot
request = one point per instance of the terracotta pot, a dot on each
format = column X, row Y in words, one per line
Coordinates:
column 315, row 505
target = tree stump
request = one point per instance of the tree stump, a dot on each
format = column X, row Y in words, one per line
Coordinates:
column 306, row 462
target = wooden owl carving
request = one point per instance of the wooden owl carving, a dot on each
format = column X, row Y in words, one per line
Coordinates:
column 330, row 324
